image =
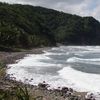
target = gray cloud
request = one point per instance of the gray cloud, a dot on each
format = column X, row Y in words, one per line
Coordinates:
column 80, row 7
column 51, row 1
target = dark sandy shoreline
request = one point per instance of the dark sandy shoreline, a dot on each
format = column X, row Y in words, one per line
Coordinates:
column 11, row 57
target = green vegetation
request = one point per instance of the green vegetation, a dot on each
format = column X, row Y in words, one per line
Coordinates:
column 25, row 26
column 2, row 69
column 2, row 65
column 16, row 93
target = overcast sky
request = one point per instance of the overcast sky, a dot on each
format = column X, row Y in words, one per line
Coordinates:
column 79, row 7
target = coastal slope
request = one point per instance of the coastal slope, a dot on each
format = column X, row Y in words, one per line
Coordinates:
column 26, row 26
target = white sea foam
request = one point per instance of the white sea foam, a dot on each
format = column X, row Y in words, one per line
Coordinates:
column 80, row 60
column 82, row 81
column 21, row 74
column 32, row 60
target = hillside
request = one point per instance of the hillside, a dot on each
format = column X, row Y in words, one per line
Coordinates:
column 25, row 26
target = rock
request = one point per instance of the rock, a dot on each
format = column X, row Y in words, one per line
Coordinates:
column 43, row 85
column 64, row 90
column 89, row 96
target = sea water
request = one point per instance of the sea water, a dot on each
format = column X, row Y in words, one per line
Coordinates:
column 77, row 67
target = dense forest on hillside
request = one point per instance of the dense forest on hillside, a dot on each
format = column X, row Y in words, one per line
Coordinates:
column 25, row 26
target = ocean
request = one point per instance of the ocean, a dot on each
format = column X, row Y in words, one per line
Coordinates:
column 77, row 67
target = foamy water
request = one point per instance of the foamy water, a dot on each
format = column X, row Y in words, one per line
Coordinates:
column 77, row 67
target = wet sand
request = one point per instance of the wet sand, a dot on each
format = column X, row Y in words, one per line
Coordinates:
column 11, row 57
